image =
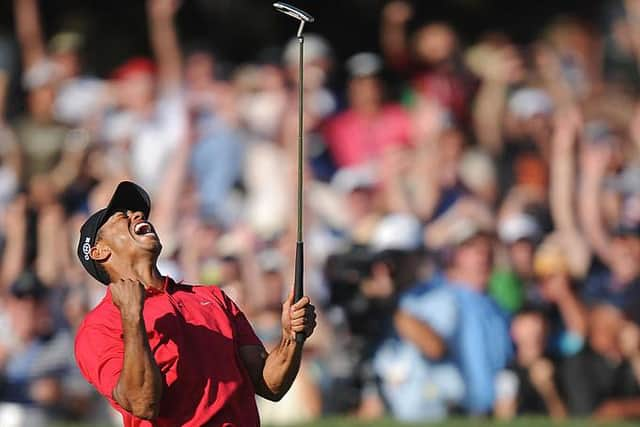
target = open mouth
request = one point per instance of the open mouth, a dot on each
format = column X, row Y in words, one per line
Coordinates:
column 143, row 228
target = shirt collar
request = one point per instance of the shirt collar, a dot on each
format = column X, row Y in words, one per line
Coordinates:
column 167, row 286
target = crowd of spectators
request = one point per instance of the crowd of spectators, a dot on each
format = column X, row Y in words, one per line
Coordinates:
column 472, row 211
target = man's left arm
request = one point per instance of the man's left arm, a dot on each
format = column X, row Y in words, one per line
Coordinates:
column 273, row 373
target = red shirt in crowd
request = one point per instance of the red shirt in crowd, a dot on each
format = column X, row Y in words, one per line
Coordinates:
column 194, row 333
column 354, row 139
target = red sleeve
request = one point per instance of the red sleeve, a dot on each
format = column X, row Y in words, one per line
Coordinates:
column 100, row 352
column 245, row 334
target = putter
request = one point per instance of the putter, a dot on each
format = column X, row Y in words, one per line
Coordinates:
column 303, row 17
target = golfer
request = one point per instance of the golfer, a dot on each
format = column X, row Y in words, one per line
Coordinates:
column 169, row 354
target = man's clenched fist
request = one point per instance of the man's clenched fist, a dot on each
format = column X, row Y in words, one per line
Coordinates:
column 128, row 295
column 298, row 317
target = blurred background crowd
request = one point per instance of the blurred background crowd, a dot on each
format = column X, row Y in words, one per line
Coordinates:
column 472, row 214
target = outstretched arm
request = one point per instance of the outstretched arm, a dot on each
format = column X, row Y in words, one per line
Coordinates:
column 13, row 261
column 273, row 373
column 164, row 41
column 29, row 32
column 427, row 122
column 497, row 68
column 561, row 199
column 595, row 160
column 420, row 334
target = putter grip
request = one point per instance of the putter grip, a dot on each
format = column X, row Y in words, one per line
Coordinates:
column 297, row 284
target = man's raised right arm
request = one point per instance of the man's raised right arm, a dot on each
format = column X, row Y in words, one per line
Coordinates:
column 139, row 387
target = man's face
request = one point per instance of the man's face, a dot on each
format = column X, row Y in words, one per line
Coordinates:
column 435, row 43
column 605, row 323
column 135, row 92
column 474, row 258
column 127, row 236
column 199, row 69
column 365, row 92
column 625, row 253
column 23, row 317
column 521, row 256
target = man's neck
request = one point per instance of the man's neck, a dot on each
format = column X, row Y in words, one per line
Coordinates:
column 145, row 273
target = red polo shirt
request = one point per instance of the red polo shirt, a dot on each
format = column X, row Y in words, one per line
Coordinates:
column 194, row 333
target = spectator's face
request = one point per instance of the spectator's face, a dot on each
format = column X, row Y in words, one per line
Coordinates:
column 135, row 91
column 207, row 243
column 622, row 36
column 68, row 64
column 625, row 256
column 199, row 69
column 521, row 256
column 273, row 282
column 76, row 307
column 124, row 240
column 474, row 258
column 528, row 332
column 23, row 317
column 365, row 93
column 360, row 203
column 272, row 78
column 230, row 270
column 435, row 44
column 605, row 323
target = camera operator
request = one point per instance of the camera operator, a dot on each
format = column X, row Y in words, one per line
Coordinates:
column 364, row 283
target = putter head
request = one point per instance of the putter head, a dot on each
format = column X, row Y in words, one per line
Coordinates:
column 294, row 12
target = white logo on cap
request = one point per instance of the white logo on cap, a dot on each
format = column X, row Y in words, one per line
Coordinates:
column 86, row 247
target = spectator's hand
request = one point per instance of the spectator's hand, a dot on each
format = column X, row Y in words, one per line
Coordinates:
column 476, row 210
column 397, row 12
column 541, row 374
column 128, row 295
column 629, row 340
column 162, row 8
column 495, row 64
column 298, row 317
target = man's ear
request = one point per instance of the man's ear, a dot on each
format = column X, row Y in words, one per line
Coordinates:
column 100, row 252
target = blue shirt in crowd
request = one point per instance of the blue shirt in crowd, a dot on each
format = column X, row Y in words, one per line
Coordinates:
column 416, row 388
column 476, row 331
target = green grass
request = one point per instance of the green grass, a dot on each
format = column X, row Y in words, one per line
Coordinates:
column 456, row 422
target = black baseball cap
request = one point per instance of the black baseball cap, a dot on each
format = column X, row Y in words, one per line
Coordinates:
column 128, row 196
